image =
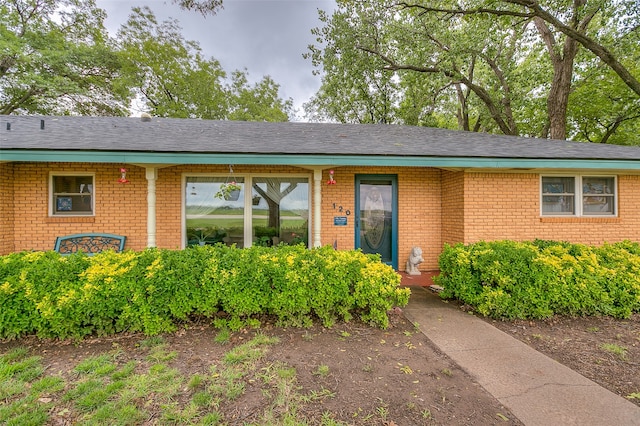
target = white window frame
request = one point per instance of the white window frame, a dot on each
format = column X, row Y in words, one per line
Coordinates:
column 248, row 207
column 579, row 196
column 52, row 195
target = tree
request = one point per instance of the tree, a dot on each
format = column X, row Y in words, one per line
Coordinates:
column 355, row 88
column 55, row 58
column 259, row 102
column 427, row 63
column 499, row 66
column 603, row 110
column 204, row 6
column 572, row 19
column 167, row 72
column 174, row 79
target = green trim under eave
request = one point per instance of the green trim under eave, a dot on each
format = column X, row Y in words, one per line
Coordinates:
column 158, row 158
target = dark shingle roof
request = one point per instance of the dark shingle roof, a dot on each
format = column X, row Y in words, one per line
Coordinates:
column 120, row 134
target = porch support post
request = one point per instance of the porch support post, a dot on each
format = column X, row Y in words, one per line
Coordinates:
column 317, row 207
column 152, row 176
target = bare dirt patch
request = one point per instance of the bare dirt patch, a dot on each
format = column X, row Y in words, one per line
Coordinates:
column 351, row 374
column 363, row 375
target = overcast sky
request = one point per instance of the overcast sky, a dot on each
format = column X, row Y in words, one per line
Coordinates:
column 267, row 37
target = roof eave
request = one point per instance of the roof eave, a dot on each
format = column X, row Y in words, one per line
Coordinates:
column 311, row 160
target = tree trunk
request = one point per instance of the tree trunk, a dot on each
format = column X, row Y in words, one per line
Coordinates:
column 558, row 98
column 274, row 215
column 463, row 111
column 273, row 196
column 577, row 32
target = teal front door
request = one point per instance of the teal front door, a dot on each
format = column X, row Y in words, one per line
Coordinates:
column 376, row 221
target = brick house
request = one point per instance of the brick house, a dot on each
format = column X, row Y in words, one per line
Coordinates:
column 392, row 187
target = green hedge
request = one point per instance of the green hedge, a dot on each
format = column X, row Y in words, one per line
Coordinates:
column 151, row 291
column 539, row 279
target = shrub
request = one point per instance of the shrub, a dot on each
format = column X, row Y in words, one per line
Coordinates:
column 506, row 279
column 32, row 285
column 153, row 290
column 620, row 265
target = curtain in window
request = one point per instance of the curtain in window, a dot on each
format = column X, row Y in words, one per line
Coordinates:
column 558, row 195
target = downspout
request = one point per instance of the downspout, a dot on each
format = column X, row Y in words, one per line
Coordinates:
column 317, row 207
column 152, row 176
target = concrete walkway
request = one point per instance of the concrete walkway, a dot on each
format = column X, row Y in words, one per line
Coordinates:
column 537, row 389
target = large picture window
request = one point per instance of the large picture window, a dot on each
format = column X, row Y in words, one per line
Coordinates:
column 210, row 217
column 578, row 195
column 268, row 210
column 72, row 195
column 280, row 210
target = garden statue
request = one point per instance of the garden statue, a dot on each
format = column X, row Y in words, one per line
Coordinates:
column 415, row 258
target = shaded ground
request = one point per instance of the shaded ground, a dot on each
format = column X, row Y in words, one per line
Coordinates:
column 350, row 374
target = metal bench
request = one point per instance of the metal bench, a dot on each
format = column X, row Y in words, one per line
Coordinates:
column 89, row 244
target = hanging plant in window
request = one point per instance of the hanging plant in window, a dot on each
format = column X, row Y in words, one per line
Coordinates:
column 230, row 189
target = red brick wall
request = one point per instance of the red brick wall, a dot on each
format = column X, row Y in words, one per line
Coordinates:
column 501, row 206
column 342, row 195
column 120, row 208
column 7, row 235
column 419, row 215
column 453, row 207
column 419, row 210
column 168, row 208
column 507, row 206
column 434, row 207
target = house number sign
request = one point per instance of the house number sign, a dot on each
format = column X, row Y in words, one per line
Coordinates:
column 341, row 209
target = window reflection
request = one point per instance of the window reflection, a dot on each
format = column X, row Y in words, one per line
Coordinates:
column 210, row 219
column 279, row 211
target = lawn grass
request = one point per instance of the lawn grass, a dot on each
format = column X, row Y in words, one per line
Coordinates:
column 107, row 389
